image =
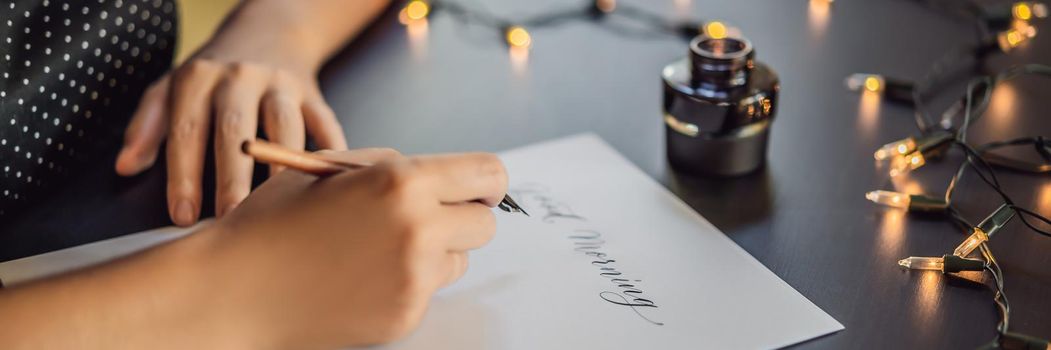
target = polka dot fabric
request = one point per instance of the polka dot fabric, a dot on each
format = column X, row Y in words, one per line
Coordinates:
column 71, row 74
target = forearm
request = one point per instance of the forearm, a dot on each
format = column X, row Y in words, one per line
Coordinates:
column 160, row 298
column 304, row 33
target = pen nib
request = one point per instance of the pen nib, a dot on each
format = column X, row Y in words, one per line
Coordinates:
column 509, row 205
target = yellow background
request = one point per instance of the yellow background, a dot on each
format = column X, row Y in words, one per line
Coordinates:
column 198, row 19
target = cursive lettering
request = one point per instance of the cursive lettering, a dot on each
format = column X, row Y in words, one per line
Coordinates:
column 590, row 243
column 622, row 300
column 553, row 210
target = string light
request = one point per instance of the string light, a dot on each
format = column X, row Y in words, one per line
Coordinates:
column 515, row 35
column 715, row 30
column 910, row 162
column 909, row 202
column 890, row 199
column 946, row 264
column 985, row 230
column 518, row 37
column 868, row 82
column 1002, row 27
column 896, row 148
column 893, row 89
column 927, row 146
column 414, row 11
column 1015, row 37
column 1027, row 10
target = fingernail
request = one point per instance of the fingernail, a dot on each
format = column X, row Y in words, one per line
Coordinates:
column 184, row 213
column 130, row 163
column 122, row 158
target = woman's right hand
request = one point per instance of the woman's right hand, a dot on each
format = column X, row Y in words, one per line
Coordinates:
column 354, row 258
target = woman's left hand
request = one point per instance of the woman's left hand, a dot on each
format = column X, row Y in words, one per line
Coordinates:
column 222, row 91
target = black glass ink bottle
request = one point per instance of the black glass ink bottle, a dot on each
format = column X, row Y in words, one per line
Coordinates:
column 719, row 103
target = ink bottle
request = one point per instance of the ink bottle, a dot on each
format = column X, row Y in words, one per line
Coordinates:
column 719, row 104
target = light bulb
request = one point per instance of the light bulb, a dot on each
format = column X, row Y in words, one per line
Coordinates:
column 518, row 37
column 868, row 82
column 971, row 243
column 904, row 164
column 1015, row 37
column 909, row 202
column 1022, row 11
column 890, row 199
column 922, row 263
column 1027, row 10
column 414, row 11
column 715, row 30
column 946, row 263
column 987, row 228
column 896, row 148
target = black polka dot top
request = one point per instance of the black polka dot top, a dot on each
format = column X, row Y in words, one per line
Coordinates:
column 71, row 74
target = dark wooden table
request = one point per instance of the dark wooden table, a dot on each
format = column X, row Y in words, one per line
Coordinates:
column 454, row 88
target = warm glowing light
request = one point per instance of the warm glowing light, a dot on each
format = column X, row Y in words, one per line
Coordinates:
column 891, row 233
column 971, row 243
column 715, row 30
column 414, row 11
column 818, row 14
column 989, row 226
column 1001, row 115
column 1039, row 10
column 868, row 113
column 417, row 32
column 922, row 263
column 519, row 37
column 947, row 263
column 1015, row 37
column 905, row 164
column 866, row 82
column 890, row 199
column 1022, row 11
column 896, row 148
column 872, row 84
column 519, row 60
column 606, row 6
column 1043, row 201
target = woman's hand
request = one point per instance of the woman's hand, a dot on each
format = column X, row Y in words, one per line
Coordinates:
column 303, row 263
column 259, row 69
column 353, row 259
column 230, row 97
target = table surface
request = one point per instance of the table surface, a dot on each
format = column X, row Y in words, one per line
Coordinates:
column 453, row 87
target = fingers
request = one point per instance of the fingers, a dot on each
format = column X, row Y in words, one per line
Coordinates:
column 190, row 116
column 322, row 125
column 236, row 101
column 465, row 177
column 283, row 122
column 457, row 266
column 466, row 226
column 149, row 124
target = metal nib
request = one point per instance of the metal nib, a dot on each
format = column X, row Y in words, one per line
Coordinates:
column 509, row 205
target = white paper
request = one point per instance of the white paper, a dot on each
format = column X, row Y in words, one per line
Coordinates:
column 534, row 286
column 540, row 285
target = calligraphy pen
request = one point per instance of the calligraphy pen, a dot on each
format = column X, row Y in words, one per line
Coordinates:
column 310, row 163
